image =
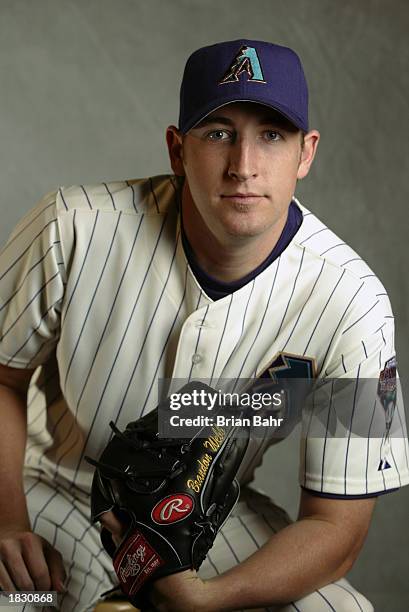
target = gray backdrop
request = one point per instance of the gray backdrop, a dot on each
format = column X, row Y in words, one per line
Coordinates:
column 88, row 88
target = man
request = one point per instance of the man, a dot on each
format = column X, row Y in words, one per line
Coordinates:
column 215, row 272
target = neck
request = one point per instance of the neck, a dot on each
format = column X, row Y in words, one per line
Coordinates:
column 227, row 258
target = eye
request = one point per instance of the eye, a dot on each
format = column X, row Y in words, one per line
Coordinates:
column 272, row 135
column 217, row 135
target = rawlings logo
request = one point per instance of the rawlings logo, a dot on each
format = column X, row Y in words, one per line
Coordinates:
column 135, row 562
column 172, row 509
column 132, row 565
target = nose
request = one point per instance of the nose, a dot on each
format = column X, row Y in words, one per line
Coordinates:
column 242, row 160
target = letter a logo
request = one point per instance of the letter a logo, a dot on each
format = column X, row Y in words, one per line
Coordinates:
column 247, row 61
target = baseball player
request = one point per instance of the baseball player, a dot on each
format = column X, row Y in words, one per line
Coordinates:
column 214, row 272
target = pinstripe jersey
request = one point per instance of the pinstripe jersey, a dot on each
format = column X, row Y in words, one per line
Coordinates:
column 95, row 288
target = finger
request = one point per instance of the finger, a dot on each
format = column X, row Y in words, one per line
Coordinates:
column 17, row 570
column 56, row 568
column 112, row 523
column 33, row 554
column 6, row 583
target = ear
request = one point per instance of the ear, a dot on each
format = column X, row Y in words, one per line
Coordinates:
column 308, row 151
column 174, row 142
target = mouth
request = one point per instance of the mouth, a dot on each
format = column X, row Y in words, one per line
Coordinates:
column 243, row 198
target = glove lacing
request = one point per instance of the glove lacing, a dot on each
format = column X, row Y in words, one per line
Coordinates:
column 147, row 444
column 205, row 530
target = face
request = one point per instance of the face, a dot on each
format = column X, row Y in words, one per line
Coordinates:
column 241, row 165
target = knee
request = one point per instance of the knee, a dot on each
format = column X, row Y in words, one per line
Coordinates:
column 339, row 600
column 353, row 602
column 364, row 605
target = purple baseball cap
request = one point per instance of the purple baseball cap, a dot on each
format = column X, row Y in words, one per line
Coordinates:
column 243, row 71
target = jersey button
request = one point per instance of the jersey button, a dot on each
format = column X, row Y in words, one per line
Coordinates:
column 196, row 358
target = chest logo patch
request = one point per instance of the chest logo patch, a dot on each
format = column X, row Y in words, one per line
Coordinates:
column 287, row 365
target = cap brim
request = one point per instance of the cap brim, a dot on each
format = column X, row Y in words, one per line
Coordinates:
column 210, row 108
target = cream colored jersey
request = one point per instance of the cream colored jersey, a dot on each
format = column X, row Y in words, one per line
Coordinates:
column 96, row 289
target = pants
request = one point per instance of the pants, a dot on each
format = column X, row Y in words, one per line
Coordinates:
column 64, row 522
column 253, row 521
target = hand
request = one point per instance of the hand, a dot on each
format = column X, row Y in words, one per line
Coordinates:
column 29, row 563
column 180, row 592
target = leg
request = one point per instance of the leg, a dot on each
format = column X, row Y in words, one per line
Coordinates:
column 253, row 521
column 64, row 522
column 339, row 596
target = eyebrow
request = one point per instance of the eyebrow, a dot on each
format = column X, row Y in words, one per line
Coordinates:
column 220, row 119
column 208, row 120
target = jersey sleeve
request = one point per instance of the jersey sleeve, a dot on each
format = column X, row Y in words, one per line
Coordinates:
column 354, row 438
column 32, row 280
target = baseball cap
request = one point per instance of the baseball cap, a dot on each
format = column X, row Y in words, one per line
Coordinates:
column 243, row 71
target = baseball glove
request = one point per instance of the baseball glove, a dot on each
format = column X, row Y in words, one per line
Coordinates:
column 174, row 494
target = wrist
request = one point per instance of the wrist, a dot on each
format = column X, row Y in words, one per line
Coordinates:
column 181, row 592
column 206, row 599
column 221, row 594
column 8, row 529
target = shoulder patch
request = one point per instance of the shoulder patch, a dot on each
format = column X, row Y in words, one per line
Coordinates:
column 387, row 383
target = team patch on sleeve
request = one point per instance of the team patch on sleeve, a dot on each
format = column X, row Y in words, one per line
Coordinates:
column 387, row 395
column 387, row 383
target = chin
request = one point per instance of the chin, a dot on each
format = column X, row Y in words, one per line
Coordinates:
column 244, row 230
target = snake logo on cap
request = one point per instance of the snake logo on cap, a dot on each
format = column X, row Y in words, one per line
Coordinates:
column 247, row 61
